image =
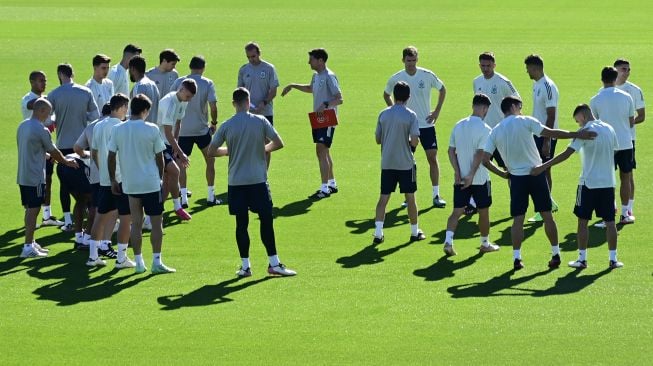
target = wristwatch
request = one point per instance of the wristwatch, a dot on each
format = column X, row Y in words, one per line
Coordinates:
column 326, row 104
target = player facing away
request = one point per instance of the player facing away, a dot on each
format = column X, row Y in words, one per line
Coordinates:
column 326, row 95
column 623, row 68
column 421, row 82
column 101, row 87
column 545, row 110
column 397, row 131
column 513, row 138
column 143, row 85
column 34, row 141
column 260, row 78
column 165, row 74
column 597, row 182
column 139, row 148
column 195, row 129
column 468, row 138
column 245, row 135
column 616, row 108
column 119, row 73
column 38, row 82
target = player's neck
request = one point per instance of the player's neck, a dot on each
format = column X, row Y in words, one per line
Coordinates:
column 621, row 82
column 411, row 71
column 98, row 79
column 37, row 92
column 488, row 77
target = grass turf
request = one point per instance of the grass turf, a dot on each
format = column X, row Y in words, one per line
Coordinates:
column 352, row 302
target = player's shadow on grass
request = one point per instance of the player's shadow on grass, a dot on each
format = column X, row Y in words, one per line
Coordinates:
column 369, row 255
column 595, row 240
column 392, row 219
column 505, row 237
column 445, row 268
column 13, row 250
column 467, row 229
column 570, row 283
column 201, row 205
column 296, row 208
column 208, row 294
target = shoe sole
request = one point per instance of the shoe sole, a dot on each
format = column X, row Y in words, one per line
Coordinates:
column 487, row 250
column 448, row 250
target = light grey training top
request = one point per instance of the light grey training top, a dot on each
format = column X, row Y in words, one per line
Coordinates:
column 163, row 80
column 245, row 135
column 33, row 141
column 85, row 141
column 325, row 87
column 395, row 126
column 195, row 122
column 147, row 87
column 259, row 80
column 73, row 106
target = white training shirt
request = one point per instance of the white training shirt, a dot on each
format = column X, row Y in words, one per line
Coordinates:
column 420, row 91
column 638, row 98
column 545, row 95
column 27, row 114
column 102, row 92
column 120, row 78
column 513, row 137
column 597, row 156
column 101, row 138
column 469, row 135
column 614, row 107
column 497, row 87
column 171, row 110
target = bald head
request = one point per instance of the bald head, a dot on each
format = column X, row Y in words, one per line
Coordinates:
column 41, row 109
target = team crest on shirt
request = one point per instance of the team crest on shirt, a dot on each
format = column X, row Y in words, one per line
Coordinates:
column 538, row 92
column 494, row 89
column 262, row 75
column 421, row 84
column 322, row 81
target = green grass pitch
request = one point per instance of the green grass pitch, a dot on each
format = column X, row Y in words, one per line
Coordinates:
column 352, row 303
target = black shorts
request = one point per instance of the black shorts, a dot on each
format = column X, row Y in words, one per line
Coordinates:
column 523, row 186
column 324, row 136
column 599, row 200
column 49, row 167
column 32, row 196
column 634, row 160
column 168, row 155
column 95, row 194
column 73, row 180
column 482, row 194
column 407, row 180
column 253, row 197
column 108, row 201
column 151, row 202
column 428, row 139
column 186, row 142
column 499, row 160
column 539, row 141
column 624, row 160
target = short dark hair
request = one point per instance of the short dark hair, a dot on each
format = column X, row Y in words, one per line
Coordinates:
column 168, row 55
column 118, row 101
column 66, row 69
column 487, row 56
column 535, row 60
column 190, row 85
column 609, row 74
column 409, row 51
column 581, row 108
column 197, row 62
column 132, row 48
column 140, row 103
column 319, row 54
column 401, row 91
column 101, row 59
column 138, row 63
column 240, row 95
column 106, row 109
column 508, row 102
column 34, row 74
column 620, row 62
column 481, row 99
column 253, row 46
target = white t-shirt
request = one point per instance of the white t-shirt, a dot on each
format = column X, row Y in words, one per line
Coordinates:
column 597, row 156
column 102, row 93
column 513, row 137
column 101, row 138
column 497, row 87
column 27, row 114
column 136, row 143
column 545, row 95
column 614, row 107
column 420, row 91
column 638, row 98
column 120, row 78
column 469, row 135
column 171, row 110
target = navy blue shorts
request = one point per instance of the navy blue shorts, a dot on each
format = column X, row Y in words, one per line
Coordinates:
column 168, row 155
column 95, row 194
column 152, row 202
column 498, row 159
column 74, row 180
column 624, row 160
column 599, row 200
column 523, row 186
column 324, row 136
column 539, row 141
column 252, row 197
column 32, row 196
column 428, row 139
column 482, row 194
column 634, row 160
column 108, row 201
column 407, row 180
column 186, row 142
column 49, row 167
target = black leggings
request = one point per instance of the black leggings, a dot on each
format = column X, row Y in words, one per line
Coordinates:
column 267, row 234
column 64, row 194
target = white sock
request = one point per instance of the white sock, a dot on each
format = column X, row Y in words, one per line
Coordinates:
column 472, row 202
column 613, row 255
column 139, row 259
column 67, row 218
column 413, row 229
column 177, row 203
column 324, row 188
column 92, row 249
column 516, row 253
column 436, row 191
column 87, row 238
column 485, row 241
column 47, row 212
column 211, row 193
column 448, row 239
column 104, row 244
column 184, row 195
column 555, row 249
column 332, row 183
column 274, row 260
column 582, row 254
column 630, row 206
column 624, row 210
column 246, row 263
column 378, row 232
column 156, row 258
column 122, row 252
